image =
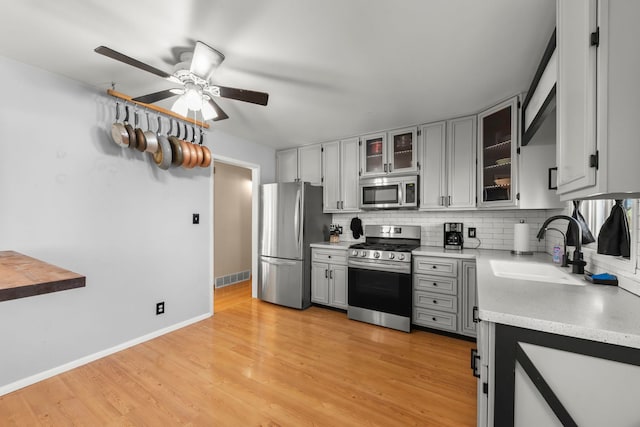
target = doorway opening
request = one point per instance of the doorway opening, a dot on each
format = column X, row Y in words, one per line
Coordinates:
column 234, row 232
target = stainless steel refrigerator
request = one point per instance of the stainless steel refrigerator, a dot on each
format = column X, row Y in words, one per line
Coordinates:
column 291, row 218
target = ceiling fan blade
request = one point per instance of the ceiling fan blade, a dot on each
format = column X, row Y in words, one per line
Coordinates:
column 103, row 50
column 251, row 96
column 205, row 60
column 155, row 97
column 221, row 114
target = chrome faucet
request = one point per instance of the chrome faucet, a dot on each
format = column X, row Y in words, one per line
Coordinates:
column 577, row 262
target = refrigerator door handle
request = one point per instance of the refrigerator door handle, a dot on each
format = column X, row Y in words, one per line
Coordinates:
column 278, row 261
column 297, row 223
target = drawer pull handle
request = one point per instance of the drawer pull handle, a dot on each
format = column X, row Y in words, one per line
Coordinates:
column 434, row 319
column 434, row 266
column 435, row 284
column 328, row 256
column 435, row 301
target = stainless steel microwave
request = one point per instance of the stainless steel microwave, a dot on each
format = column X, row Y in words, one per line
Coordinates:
column 399, row 192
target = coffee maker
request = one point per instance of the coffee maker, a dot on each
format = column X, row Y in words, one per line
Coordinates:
column 453, row 236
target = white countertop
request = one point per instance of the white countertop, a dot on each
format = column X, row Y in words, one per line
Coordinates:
column 595, row 312
column 328, row 245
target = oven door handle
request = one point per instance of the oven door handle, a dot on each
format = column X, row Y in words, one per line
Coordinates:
column 392, row 268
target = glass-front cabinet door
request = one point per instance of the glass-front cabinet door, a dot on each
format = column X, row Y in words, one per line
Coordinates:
column 403, row 152
column 374, row 155
column 395, row 152
column 497, row 155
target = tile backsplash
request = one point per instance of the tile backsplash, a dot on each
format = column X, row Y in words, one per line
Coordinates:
column 495, row 231
column 494, row 228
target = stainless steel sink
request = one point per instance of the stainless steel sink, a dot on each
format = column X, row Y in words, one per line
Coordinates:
column 535, row 271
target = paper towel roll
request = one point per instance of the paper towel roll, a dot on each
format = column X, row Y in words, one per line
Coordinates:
column 521, row 238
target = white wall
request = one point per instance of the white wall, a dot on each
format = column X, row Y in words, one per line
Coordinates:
column 227, row 147
column 71, row 197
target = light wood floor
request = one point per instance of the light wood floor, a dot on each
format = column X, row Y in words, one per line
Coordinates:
column 257, row 364
column 232, row 295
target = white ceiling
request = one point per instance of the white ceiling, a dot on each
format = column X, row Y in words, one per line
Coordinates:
column 332, row 68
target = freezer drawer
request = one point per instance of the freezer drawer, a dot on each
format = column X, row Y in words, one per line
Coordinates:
column 281, row 281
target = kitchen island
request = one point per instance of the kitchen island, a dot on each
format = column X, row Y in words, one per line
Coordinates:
column 553, row 348
column 22, row 276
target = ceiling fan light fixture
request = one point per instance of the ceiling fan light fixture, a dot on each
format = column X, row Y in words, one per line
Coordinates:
column 208, row 112
column 180, row 106
column 193, row 97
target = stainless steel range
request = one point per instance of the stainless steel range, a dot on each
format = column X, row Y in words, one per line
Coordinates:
column 380, row 283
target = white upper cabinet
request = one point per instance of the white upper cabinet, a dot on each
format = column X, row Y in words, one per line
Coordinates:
column 537, row 169
column 287, row 165
column 310, row 164
column 434, row 166
column 597, row 98
column 373, row 158
column 497, row 155
column 349, row 176
column 300, row 164
column 448, row 164
column 340, row 175
column 392, row 153
column 576, row 91
column 461, row 162
column 402, row 153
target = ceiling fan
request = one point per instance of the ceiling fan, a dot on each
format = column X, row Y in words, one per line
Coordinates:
column 193, row 72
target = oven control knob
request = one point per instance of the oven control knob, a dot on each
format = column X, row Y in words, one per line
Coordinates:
column 376, row 254
column 400, row 257
column 354, row 253
column 363, row 253
column 392, row 255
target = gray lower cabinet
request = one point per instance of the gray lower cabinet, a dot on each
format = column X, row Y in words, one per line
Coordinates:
column 469, row 298
column 329, row 277
column 444, row 294
column 534, row 378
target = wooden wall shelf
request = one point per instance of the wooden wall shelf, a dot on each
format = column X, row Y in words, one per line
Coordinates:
column 22, row 276
column 164, row 111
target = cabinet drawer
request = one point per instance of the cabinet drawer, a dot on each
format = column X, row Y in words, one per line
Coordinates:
column 436, row 301
column 434, row 319
column 443, row 285
column 434, row 265
column 327, row 255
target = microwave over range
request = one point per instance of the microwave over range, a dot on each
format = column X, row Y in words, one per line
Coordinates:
column 399, row 192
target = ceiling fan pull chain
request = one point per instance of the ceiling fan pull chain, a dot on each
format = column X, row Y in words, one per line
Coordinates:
column 201, row 135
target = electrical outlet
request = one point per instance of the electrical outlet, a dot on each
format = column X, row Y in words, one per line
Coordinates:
column 196, row 218
column 471, row 232
column 159, row 308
